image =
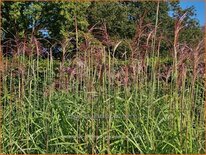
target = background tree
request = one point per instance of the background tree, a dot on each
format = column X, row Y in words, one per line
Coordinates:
column 66, row 21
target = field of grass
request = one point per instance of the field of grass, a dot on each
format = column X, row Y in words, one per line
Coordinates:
column 96, row 103
column 93, row 106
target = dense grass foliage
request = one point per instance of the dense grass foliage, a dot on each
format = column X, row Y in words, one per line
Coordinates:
column 88, row 95
column 94, row 109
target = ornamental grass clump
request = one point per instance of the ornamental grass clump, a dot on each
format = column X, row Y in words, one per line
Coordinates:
column 90, row 100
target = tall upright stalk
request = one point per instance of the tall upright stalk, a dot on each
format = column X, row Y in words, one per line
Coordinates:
column 205, row 82
column 1, row 88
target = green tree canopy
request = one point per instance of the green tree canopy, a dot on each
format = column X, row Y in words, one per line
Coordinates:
column 62, row 20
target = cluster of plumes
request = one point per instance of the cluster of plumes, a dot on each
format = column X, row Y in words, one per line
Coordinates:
column 28, row 46
column 189, row 60
column 93, row 60
column 189, row 64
